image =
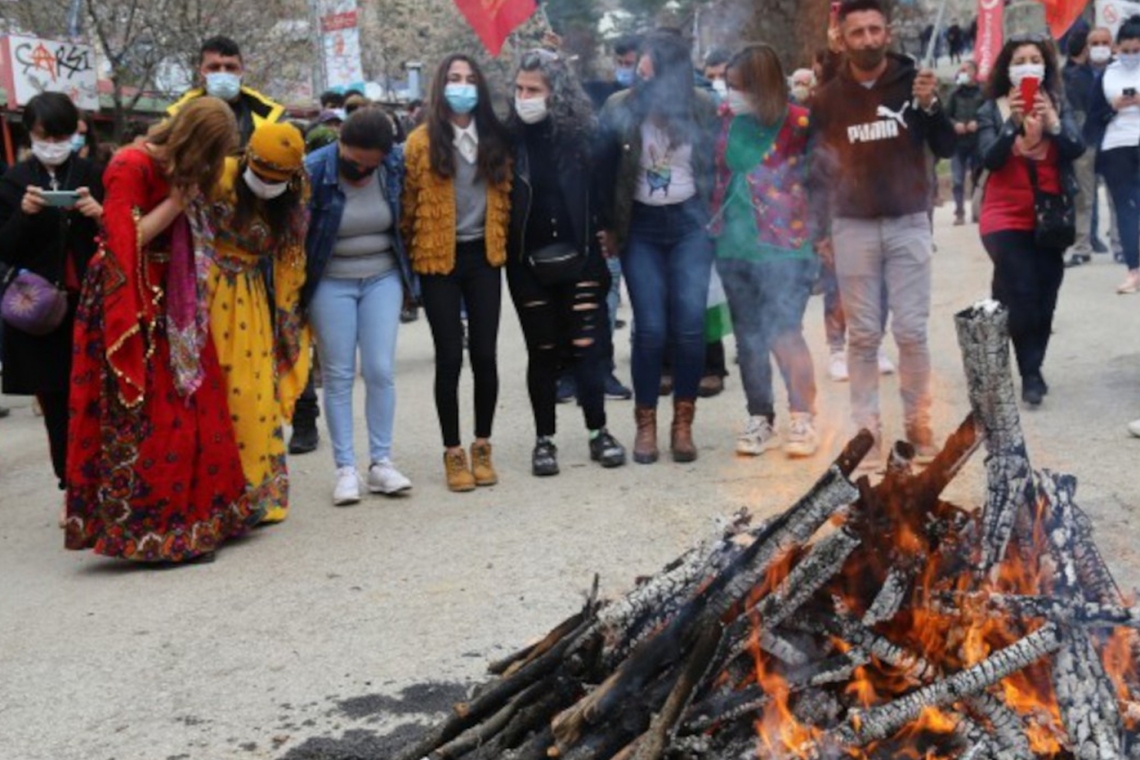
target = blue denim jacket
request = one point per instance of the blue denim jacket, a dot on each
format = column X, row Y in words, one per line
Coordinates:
column 326, row 207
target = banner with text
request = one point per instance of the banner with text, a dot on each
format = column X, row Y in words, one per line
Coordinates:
column 340, row 43
column 990, row 37
column 1113, row 13
column 32, row 65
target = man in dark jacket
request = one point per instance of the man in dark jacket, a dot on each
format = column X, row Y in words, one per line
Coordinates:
column 962, row 109
column 1081, row 75
column 872, row 127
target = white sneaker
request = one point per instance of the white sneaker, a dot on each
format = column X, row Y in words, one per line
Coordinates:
column 837, row 366
column 347, row 490
column 383, row 477
column 758, row 437
column 1134, row 428
column 802, row 439
column 886, row 366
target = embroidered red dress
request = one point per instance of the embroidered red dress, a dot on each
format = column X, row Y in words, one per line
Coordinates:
column 154, row 472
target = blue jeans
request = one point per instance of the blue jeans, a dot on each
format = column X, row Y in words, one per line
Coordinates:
column 1120, row 168
column 962, row 165
column 767, row 300
column 347, row 314
column 667, row 263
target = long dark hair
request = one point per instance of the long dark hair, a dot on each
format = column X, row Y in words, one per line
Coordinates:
column 494, row 149
column 999, row 83
column 669, row 97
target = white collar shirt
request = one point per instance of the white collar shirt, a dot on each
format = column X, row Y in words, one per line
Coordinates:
column 467, row 141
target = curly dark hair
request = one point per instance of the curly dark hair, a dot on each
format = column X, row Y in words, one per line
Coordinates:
column 571, row 116
column 999, row 84
column 494, row 146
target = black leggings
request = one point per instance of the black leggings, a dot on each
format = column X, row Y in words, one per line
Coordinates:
column 478, row 286
column 1027, row 279
column 566, row 329
column 54, row 406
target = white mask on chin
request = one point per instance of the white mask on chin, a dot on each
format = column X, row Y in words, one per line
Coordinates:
column 262, row 189
column 738, row 102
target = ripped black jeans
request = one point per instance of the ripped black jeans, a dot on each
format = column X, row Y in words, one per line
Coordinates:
column 566, row 328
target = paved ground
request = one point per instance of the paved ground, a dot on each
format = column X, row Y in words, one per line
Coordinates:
column 320, row 637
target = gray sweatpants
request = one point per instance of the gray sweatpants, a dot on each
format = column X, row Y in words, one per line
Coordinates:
column 892, row 253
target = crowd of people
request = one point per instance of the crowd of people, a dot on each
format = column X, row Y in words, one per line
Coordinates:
column 220, row 258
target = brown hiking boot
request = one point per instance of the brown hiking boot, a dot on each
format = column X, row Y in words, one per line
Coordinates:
column 645, row 445
column 459, row 477
column 481, row 466
column 684, row 450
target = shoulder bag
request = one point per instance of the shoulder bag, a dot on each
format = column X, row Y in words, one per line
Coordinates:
column 1055, row 213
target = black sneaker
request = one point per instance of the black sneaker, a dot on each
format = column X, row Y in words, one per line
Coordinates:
column 544, row 459
column 605, row 449
column 1098, row 246
column 410, row 314
column 1033, row 390
column 616, row 391
column 1074, row 260
column 304, row 440
column 4, row 412
column 567, row 389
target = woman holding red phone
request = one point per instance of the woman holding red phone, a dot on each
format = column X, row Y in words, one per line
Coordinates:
column 1028, row 141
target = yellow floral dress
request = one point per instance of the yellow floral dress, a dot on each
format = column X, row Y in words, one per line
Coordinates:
column 263, row 347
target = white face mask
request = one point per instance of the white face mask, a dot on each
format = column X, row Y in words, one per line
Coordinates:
column 262, row 189
column 1100, row 54
column 1130, row 61
column 738, row 102
column 963, row 78
column 51, row 153
column 720, row 87
column 531, row 110
column 1026, row 71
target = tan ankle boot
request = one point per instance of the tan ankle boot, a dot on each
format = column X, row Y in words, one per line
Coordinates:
column 459, row 477
column 684, row 450
column 481, row 466
column 645, row 445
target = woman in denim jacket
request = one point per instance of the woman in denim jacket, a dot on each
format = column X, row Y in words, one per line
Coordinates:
column 357, row 272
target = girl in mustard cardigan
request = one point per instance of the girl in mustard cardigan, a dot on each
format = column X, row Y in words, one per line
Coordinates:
column 456, row 213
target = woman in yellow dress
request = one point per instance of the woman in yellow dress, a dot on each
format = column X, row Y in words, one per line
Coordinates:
column 257, row 269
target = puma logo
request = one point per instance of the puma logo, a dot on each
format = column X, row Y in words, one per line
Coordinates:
column 886, row 113
column 886, row 128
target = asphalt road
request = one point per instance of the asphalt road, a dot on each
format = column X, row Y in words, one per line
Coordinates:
column 321, row 637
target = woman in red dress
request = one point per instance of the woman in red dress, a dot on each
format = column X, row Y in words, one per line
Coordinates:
column 154, row 472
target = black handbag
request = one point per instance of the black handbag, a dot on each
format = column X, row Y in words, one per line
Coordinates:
column 556, row 263
column 1056, row 216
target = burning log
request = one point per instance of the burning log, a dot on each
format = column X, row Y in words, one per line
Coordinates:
column 983, row 335
column 907, row 626
column 881, row 722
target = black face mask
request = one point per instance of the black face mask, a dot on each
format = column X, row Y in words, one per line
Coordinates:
column 353, row 171
column 867, row 59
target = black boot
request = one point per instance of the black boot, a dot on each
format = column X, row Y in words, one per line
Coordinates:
column 544, row 460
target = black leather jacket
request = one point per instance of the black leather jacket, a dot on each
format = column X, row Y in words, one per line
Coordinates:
column 996, row 137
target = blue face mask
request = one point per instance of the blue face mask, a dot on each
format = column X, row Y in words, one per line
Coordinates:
column 461, row 98
column 625, row 76
column 78, row 142
column 223, row 84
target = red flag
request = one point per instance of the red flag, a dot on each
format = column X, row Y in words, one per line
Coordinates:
column 1061, row 14
column 494, row 20
column 988, row 44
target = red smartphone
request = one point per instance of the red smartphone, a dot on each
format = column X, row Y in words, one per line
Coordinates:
column 1029, row 87
column 834, row 12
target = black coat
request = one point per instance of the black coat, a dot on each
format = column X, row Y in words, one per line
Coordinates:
column 581, row 192
column 996, row 137
column 39, row 243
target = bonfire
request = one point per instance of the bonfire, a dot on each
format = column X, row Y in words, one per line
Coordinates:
column 866, row 621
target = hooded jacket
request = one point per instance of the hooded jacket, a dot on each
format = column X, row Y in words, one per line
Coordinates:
column 252, row 109
column 869, row 146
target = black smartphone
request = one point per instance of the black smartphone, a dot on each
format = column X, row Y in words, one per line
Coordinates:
column 1129, row 92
